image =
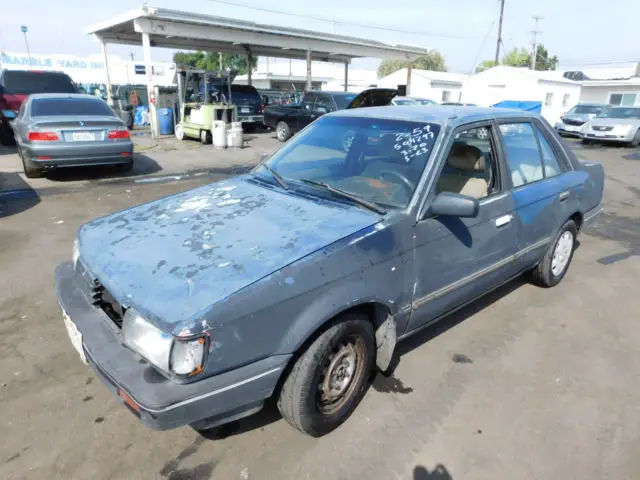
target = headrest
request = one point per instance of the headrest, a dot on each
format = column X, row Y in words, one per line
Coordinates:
column 466, row 157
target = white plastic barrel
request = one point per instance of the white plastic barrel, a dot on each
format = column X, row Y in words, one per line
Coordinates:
column 235, row 135
column 219, row 134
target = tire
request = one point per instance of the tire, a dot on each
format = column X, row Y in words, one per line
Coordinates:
column 549, row 272
column 249, row 127
column 29, row 171
column 347, row 349
column 6, row 135
column 283, row 132
column 636, row 139
column 586, row 141
column 205, row 137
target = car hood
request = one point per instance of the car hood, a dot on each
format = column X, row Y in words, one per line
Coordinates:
column 174, row 258
column 612, row 122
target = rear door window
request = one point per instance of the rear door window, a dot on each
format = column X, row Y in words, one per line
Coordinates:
column 26, row 83
column 551, row 165
column 69, row 106
column 523, row 156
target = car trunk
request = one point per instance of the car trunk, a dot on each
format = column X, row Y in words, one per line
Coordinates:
column 78, row 129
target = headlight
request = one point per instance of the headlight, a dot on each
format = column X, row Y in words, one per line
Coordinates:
column 585, row 128
column 186, row 356
column 169, row 354
column 76, row 252
column 622, row 129
column 149, row 341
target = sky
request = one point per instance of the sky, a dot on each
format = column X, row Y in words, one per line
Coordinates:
column 582, row 33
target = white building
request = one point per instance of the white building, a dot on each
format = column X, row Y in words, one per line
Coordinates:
column 437, row 86
column 289, row 75
column 612, row 86
column 556, row 93
column 90, row 69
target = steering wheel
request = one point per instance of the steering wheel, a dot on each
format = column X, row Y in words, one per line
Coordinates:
column 404, row 181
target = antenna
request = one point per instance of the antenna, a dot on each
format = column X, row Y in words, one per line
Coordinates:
column 535, row 33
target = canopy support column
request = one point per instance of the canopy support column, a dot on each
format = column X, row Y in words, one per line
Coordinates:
column 309, row 85
column 148, row 65
column 105, row 57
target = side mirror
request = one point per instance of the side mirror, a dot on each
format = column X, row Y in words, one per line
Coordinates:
column 454, row 205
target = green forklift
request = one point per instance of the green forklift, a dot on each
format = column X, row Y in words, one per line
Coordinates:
column 204, row 96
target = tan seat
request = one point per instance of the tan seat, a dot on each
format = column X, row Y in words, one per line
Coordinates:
column 467, row 159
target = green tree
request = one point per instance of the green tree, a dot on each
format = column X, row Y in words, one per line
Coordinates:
column 211, row 61
column 544, row 61
column 522, row 58
column 431, row 61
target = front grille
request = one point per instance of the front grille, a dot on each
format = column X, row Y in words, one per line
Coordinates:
column 599, row 128
column 95, row 292
column 575, row 123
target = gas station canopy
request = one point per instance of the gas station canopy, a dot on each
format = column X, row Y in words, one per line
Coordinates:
column 193, row 31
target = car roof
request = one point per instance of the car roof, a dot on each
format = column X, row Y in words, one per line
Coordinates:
column 39, row 96
column 451, row 115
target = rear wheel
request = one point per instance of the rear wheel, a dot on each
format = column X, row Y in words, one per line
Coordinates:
column 6, row 134
column 328, row 381
column 555, row 263
column 205, row 137
column 283, row 132
column 30, row 171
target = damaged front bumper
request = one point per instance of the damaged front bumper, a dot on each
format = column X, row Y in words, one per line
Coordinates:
column 159, row 402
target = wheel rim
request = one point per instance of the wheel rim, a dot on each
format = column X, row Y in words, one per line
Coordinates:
column 483, row 134
column 562, row 253
column 280, row 131
column 341, row 374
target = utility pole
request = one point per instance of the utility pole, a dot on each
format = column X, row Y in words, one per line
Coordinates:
column 499, row 32
column 26, row 43
column 535, row 33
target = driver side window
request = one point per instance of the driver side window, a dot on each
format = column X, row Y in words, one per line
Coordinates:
column 471, row 168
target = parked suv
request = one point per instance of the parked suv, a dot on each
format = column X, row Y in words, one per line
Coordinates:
column 249, row 104
column 17, row 85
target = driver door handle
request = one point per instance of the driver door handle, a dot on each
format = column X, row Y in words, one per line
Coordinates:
column 502, row 221
column 563, row 196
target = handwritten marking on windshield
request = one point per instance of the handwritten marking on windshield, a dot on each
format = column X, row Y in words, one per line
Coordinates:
column 410, row 145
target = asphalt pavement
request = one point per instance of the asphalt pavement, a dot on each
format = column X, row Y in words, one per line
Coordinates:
column 526, row 383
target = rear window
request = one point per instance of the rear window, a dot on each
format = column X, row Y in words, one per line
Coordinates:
column 26, row 83
column 69, row 106
column 244, row 94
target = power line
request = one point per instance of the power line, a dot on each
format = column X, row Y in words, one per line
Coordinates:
column 475, row 62
column 340, row 22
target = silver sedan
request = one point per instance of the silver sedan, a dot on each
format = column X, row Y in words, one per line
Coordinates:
column 617, row 124
column 70, row 130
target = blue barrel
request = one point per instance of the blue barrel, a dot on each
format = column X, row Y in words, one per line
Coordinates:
column 165, row 121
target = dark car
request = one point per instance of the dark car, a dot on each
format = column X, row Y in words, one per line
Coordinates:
column 58, row 130
column 16, row 85
column 295, row 281
column 290, row 119
column 249, row 106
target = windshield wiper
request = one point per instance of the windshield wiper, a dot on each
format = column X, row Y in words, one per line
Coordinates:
column 276, row 176
column 341, row 193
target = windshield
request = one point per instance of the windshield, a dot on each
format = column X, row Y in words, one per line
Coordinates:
column 25, row 83
column 586, row 109
column 377, row 160
column 621, row 113
column 69, row 106
column 424, row 101
column 343, row 101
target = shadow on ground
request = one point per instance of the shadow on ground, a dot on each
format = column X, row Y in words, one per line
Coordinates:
column 269, row 414
column 7, row 150
column 15, row 194
column 438, row 473
column 142, row 165
column 382, row 380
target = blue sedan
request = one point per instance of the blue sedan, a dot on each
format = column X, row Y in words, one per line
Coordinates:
column 297, row 280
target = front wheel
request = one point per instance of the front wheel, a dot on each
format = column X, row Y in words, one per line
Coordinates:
column 179, row 132
column 555, row 263
column 636, row 139
column 205, row 137
column 328, row 381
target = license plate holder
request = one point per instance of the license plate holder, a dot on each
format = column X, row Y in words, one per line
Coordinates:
column 83, row 137
column 75, row 336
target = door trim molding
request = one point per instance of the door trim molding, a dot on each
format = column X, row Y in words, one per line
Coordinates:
column 480, row 273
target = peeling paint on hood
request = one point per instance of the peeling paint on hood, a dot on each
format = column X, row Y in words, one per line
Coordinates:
column 176, row 257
